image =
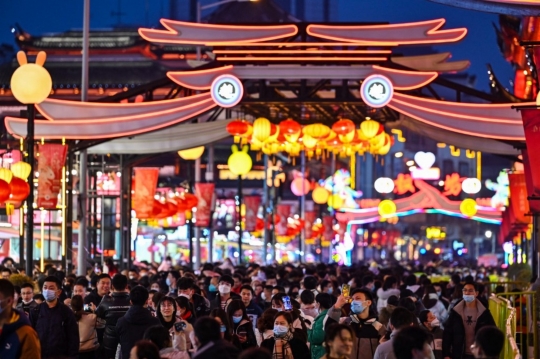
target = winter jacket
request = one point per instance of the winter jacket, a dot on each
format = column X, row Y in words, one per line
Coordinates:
column 217, row 349
column 131, row 327
column 57, row 330
column 18, row 339
column 244, row 326
column 386, row 350
column 216, row 303
column 201, row 305
column 316, row 336
column 439, row 311
column 436, row 342
column 27, row 307
column 112, row 308
column 299, row 349
column 93, row 297
column 368, row 332
column 87, row 333
column 453, row 345
column 254, row 312
column 383, row 296
column 171, row 353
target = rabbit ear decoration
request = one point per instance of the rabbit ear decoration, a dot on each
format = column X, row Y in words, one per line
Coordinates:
column 245, row 148
column 41, row 57
column 234, row 148
column 21, row 58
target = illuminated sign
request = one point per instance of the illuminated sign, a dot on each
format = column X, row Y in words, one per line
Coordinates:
column 452, row 185
column 471, row 185
column 377, row 91
column 384, row 185
column 424, row 171
column 435, row 233
column 403, row 184
column 227, row 90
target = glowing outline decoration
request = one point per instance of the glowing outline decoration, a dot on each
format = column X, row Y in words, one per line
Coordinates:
column 421, row 32
column 371, row 81
column 182, row 32
column 238, row 90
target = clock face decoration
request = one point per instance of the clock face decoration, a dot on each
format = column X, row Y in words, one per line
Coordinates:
column 227, row 90
column 377, row 91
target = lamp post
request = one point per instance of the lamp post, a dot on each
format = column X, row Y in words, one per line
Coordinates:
column 30, row 85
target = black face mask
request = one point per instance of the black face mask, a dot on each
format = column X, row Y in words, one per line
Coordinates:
column 67, row 287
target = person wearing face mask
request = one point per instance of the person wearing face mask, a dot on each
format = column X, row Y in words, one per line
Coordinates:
column 284, row 345
column 17, row 338
column 412, row 343
column 171, row 280
column 55, row 323
column 243, row 336
column 300, row 323
column 432, row 303
column 225, row 284
column 432, row 324
column 27, row 294
column 362, row 319
column 224, row 326
column 440, row 294
column 316, row 334
column 464, row 321
column 184, row 310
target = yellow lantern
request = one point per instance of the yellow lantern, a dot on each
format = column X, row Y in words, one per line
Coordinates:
column 273, row 138
column 240, row 161
column 335, row 201
column 316, row 130
column 191, row 153
column 21, row 170
column 370, row 128
column 347, row 138
column 5, row 174
column 262, row 128
column 361, row 135
column 309, row 141
column 387, row 208
column 320, row 195
column 256, row 145
column 468, row 207
column 31, row 83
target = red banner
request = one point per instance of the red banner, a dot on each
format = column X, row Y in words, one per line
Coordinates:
column 252, row 204
column 518, row 197
column 309, row 218
column 328, row 223
column 531, row 157
column 50, row 163
column 283, row 211
column 144, row 189
column 533, row 205
column 205, row 194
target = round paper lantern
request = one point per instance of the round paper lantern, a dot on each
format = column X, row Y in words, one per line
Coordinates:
column 20, row 189
column 240, row 162
column 21, row 169
column 316, row 130
column 387, row 208
column 320, row 195
column 335, row 201
column 5, row 191
column 237, row 128
column 370, row 128
column 290, row 127
column 262, row 129
column 158, row 209
column 191, row 154
column 384, row 185
column 31, row 83
column 274, row 133
column 300, row 186
column 6, row 174
column 309, row 142
column 468, row 207
column 343, row 127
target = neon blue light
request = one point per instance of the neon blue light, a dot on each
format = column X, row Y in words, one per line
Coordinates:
column 423, row 251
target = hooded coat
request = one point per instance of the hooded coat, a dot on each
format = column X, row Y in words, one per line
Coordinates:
column 18, row 339
column 131, row 327
column 316, row 336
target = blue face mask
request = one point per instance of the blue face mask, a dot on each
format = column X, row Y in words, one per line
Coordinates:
column 468, row 298
column 330, row 290
column 280, row 331
column 168, row 282
column 236, row 320
column 212, row 288
column 223, row 329
column 49, row 295
column 357, row 306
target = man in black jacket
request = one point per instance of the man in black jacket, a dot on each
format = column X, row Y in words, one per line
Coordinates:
column 131, row 327
column 209, row 343
column 27, row 294
column 55, row 323
column 225, row 295
column 464, row 321
column 201, row 305
column 112, row 308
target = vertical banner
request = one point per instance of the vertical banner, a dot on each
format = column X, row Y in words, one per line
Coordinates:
column 518, row 197
column 283, row 211
column 533, row 205
column 328, row 223
column 144, row 189
column 205, row 195
column 50, row 163
column 309, row 219
column 252, row 204
column 531, row 157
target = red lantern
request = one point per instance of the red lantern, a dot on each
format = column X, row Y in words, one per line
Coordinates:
column 158, row 210
column 4, row 191
column 181, row 207
column 343, row 127
column 191, row 200
column 290, row 127
column 20, row 189
column 171, row 209
column 259, row 226
column 237, row 128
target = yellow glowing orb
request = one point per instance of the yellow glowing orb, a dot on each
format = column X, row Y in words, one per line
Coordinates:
column 468, row 207
column 387, row 208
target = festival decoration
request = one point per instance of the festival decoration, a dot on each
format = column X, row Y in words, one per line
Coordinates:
column 384, row 185
column 34, row 74
column 5, row 190
column 387, row 208
column 500, row 199
column 205, row 198
column 370, row 128
column 239, row 129
column 144, row 187
column 261, row 129
column 377, row 91
column 300, row 185
column 425, row 171
column 5, row 175
column 191, row 154
column 468, row 207
column 240, row 162
column 335, row 201
column 471, row 185
column 339, row 186
column 21, row 170
column 320, row 195
column 19, row 189
column 50, row 165
column 251, row 221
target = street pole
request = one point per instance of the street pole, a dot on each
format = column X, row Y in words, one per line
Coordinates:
column 81, row 251
column 239, row 207
column 302, row 207
column 197, row 261
column 30, row 199
column 266, row 232
column 209, row 176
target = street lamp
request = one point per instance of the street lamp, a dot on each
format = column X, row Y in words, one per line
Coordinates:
column 200, row 8
column 30, row 85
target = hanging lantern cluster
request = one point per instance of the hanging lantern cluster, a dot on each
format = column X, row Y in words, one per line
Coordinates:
column 294, row 227
column 175, row 204
column 317, row 139
column 13, row 186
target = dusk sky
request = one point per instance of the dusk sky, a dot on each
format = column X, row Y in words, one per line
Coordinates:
column 479, row 46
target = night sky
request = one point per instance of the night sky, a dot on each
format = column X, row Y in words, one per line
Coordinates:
column 479, row 46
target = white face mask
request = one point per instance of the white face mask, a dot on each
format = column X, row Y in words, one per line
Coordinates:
column 224, row 289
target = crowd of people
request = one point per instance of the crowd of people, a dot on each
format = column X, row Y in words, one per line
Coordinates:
column 311, row 311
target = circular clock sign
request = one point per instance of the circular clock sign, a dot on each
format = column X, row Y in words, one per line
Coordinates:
column 377, row 91
column 227, row 90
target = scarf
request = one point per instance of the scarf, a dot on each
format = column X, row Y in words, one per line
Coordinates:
column 186, row 315
column 285, row 352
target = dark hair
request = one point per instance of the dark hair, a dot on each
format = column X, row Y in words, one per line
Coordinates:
column 278, row 298
column 102, row 276
column 147, row 350
column 423, row 316
column 158, row 310
column 27, row 285
column 366, row 280
column 156, row 297
column 458, row 292
column 6, row 288
column 426, row 300
column 307, row 297
column 288, row 317
column 393, row 300
column 310, row 282
column 266, row 320
column 471, row 283
column 220, row 313
column 119, row 282
column 324, row 300
column 334, row 331
column 138, row 295
column 407, row 303
column 369, row 296
column 235, row 305
column 389, row 282
column 183, row 302
column 77, row 306
column 226, row 278
column 158, row 335
column 456, row 279
column 206, row 330
column 248, row 287
column 408, row 339
column 410, row 280
column 255, row 353
column 401, row 317
column 185, row 283
column 39, row 296
column 53, row 279
column 82, row 281
column 490, row 340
